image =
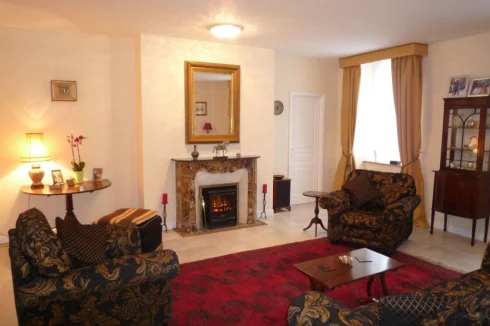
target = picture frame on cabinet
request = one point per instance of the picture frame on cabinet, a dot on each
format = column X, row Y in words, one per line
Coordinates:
column 479, row 87
column 97, row 174
column 57, row 177
column 458, row 86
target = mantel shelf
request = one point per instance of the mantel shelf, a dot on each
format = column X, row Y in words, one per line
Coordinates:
column 207, row 159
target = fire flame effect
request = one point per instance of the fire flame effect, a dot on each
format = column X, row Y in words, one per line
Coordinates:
column 221, row 204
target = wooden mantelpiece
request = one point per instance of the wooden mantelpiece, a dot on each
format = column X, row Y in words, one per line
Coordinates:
column 185, row 174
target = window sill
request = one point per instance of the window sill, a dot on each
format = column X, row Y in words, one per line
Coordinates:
column 383, row 164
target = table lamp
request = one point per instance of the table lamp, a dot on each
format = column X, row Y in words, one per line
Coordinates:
column 207, row 127
column 35, row 151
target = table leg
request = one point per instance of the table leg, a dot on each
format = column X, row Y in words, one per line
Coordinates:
column 383, row 284
column 315, row 286
column 368, row 286
column 486, row 230
column 445, row 222
column 70, row 215
column 316, row 220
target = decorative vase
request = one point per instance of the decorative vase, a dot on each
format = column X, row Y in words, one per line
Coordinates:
column 78, row 175
column 195, row 153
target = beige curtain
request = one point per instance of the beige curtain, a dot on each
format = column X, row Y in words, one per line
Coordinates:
column 407, row 92
column 350, row 94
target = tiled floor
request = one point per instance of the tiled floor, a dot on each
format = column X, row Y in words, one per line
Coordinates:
column 442, row 248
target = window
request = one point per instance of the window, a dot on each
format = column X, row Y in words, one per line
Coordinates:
column 376, row 137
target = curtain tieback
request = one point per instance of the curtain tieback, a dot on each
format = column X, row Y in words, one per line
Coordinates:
column 347, row 156
column 411, row 162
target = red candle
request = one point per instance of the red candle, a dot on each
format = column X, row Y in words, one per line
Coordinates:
column 165, row 198
column 264, row 188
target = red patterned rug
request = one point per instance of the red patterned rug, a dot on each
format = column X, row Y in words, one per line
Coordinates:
column 256, row 287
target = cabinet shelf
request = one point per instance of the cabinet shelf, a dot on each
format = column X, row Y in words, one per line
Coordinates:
column 465, row 150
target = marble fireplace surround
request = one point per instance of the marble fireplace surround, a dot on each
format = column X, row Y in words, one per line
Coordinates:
column 191, row 174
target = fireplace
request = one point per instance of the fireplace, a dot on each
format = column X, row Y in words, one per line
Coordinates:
column 219, row 206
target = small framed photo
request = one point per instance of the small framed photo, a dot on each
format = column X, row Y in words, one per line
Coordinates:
column 63, row 90
column 70, row 182
column 57, row 177
column 201, row 108
column 458, row 86
column 479, row 87
column 97, row 174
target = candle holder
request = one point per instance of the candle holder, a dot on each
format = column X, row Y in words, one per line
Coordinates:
column 164, row 215
column 263, row 207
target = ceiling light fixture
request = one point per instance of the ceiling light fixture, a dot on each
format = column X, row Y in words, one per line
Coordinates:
column 226, row 31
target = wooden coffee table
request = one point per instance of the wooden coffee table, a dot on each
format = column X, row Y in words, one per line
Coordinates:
column 368, row 264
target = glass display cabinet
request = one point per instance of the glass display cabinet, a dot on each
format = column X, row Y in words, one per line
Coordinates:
column 462, row 185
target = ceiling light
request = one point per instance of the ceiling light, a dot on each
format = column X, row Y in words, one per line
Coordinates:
column 227, row 31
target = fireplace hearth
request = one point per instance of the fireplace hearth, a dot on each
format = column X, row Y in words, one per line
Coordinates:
column 219, row 206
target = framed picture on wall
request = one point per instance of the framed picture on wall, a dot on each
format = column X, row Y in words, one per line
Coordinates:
column 201, row 108
column 458, row 86
column 479, row 87
column 63, row 90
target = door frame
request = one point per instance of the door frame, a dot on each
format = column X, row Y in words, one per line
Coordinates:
column 321, row 130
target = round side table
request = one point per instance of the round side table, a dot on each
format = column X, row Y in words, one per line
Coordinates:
column 315, row 220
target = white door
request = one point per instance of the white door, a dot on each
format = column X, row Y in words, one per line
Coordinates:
column 306, row 120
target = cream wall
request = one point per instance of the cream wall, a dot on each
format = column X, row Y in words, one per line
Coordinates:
column 104, row 68
column 315, row 75
column 163, row 110
column 465, row 56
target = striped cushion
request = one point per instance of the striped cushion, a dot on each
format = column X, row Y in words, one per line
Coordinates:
column 127, row 215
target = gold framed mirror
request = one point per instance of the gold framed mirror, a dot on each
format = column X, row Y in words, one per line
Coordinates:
column 212, row 103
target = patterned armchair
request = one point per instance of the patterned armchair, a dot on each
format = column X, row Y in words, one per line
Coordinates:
column 130, row 289
column 383, row 223
column 466, row 302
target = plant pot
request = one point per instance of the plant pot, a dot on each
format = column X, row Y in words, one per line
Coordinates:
column 78, row 175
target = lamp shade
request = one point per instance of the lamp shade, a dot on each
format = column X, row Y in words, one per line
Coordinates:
column 35, row 151
column 207, row 126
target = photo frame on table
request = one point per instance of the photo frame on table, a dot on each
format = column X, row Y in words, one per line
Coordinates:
column 57, row 177
column 458, row 86
column 63, row 90
column 479, row 87
column 201, row 108
column 97, row 174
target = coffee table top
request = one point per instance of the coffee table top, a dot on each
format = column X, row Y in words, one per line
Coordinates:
column 343, row 273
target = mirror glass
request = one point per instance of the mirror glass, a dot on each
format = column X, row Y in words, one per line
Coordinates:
column 212, row 103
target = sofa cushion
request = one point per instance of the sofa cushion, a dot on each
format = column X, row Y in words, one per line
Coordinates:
column 361, row 190
column 362, row 219
column 41, row 246
column 407, row 310
column 86, row 243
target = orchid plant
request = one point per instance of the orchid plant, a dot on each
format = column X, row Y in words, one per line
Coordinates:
column 76, row 143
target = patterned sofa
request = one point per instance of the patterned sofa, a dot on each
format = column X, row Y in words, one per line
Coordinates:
column 129, row 289
column 383, row 223
column 467, row 303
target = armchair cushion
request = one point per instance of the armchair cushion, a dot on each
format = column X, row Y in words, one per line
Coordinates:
column 87, row 243
column 407, row 310
column 371, row 220
column 41, row 246
column 99, row 280
column 361, row 190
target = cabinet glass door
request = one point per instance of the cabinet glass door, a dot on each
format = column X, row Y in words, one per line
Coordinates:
column 462, row 140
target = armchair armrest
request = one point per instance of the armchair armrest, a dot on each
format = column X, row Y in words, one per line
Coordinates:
column 336, row 202
column 402, row 208
column 116, row 274
column 314, row 308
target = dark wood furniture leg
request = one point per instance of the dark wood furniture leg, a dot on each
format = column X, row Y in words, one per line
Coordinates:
column 316, row 220
column 315, row 286
column 445, row 222
column 70, row 215
column 383, row 284
column 473, row 230
column 486, row 230
column 368, row 286
column 432, row 221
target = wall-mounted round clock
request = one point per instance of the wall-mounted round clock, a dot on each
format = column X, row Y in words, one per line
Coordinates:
column 278, row 107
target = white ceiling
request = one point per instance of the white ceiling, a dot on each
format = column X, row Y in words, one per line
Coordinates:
column 303, row 27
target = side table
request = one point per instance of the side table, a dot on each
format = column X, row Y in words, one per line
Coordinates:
column 68, row 192
column 315, row 220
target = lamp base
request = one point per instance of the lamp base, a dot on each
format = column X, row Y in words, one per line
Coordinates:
column 36, row 174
